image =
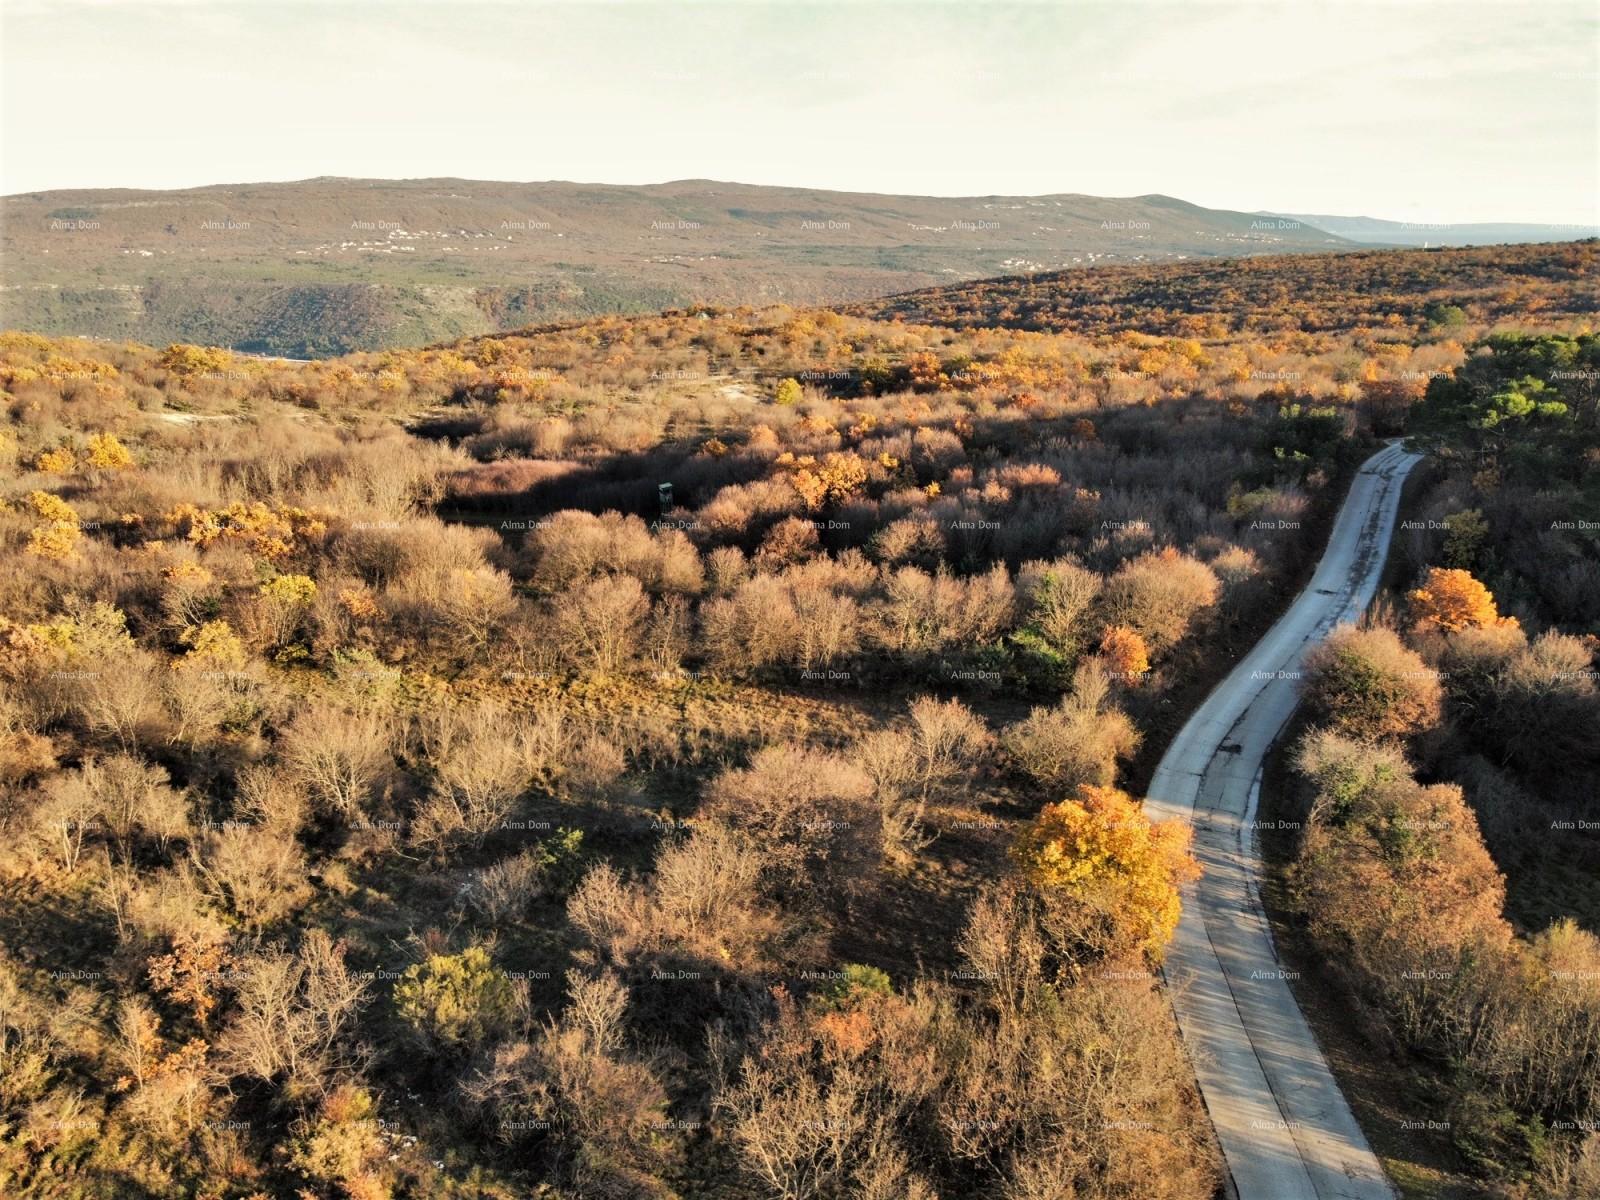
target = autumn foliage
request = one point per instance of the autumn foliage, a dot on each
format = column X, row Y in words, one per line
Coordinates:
column 1451, row 600
column 1367, row 683
column 1125, row 654
column 1123, row 869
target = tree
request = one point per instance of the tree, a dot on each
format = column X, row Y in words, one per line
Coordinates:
column 1366, row 683
column 121, row 794
column 339, row 755
column 281, row 605
column 257, row 873
column 64, row 817
column 582, row 1095
column 294, row 1013
column 800, row 807
column 343, row 1145
column 1125, row 655
column 788, row 392
column 481, row 760
column 192, row 972
column 599, row 622
column 1158, row 595
column 1451, row 600
column 945, row 736
column 1121, row 870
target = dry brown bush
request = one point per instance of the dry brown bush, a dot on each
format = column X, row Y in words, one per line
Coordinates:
column 755, row 627
column 800, row 806
column 340, row 756
column 118, row 697
column 294, row 1015
column 504, row 890
column 726, row 568
column 924, row 613
column 480, row 761
column 577, row 1086
column 792, row 540
column 126, row 798
column 910, row 541
column 907, row 768
column 270, row 797
column 572, row 546
column 1159, row 594
column 599, row 622
column 1366, row 683
column 703, row 900
column 256, row 873
column 1058, row 596
column 1078, row 741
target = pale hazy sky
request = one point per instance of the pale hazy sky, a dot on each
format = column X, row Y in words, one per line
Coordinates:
column 1420, row 111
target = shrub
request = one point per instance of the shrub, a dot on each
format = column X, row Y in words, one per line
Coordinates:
column 107, row 453
column 60, row 461
column 257, row 874
column 339, row 755
column 1158, row 595
column 599, row 623
column 853, row 982
column 504, row 890
column 295, row 1016
column 1078, row 741
column 704, row 900
column 343, row 1145
column 456, row 1000
column 800, row 806
column 599, row 1109
column 1124, row 654
column 1366, row 683
column 480, row 761
column 213, row 645
column 282, row 605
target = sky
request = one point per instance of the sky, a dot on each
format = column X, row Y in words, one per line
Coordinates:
column 1413, row 111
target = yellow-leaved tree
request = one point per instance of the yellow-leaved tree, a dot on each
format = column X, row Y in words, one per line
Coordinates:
column 1112, row 873
column 1451, row 600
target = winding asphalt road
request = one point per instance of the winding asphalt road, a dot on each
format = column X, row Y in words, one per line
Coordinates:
column 1284, row 1127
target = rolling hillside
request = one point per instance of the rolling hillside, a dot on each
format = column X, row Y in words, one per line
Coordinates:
column 325, row 266
column 1267, row 293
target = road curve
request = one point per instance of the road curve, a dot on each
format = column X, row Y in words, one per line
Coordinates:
column 1284, row 1127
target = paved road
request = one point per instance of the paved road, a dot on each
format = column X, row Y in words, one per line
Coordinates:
column 1283, row 1124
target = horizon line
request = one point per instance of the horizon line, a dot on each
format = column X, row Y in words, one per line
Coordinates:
column 1593, row 227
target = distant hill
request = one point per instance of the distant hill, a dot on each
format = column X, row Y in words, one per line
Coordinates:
column 1373, row 289
column 1374, row 232
column 324, row 266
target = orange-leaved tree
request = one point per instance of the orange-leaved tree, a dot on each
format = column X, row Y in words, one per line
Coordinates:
column 1126, row 656
column 1117, row 870
column 1451, row 600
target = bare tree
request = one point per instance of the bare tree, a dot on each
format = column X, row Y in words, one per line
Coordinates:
column 482, row 759
column 339, row 755
column 293, row 1018
column 1079, row 741
column 600, row 622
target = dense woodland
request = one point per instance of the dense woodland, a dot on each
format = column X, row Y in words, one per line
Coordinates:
column 403, row 798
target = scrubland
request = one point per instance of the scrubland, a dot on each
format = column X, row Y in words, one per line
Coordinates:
column 403, row 798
